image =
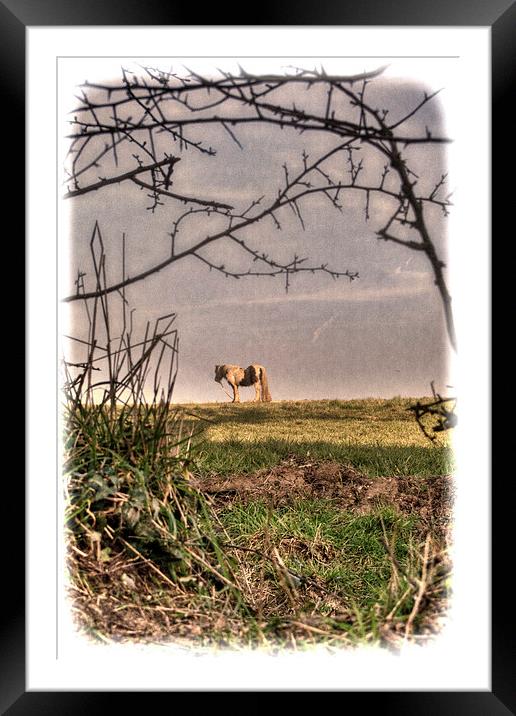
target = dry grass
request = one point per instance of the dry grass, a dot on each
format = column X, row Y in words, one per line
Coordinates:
column 124, row 602
column 373, row 421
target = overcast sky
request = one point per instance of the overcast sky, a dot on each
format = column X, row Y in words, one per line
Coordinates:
column 380, row 335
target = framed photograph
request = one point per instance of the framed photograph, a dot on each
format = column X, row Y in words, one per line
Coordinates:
column 305, row 269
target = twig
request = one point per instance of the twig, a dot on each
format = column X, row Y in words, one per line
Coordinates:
column 316, row 630
column 121, row 177
column 414, row 583
column 149, row 563
column 422, row 588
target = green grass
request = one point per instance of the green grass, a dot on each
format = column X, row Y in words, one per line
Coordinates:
column 229, row 458
column 317, row 539
column 378, row 437
column 339, row 553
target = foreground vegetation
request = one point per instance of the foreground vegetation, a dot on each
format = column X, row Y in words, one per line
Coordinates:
column 160, row 551
column 334, row 573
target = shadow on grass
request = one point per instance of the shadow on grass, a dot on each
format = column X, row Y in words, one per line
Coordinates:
column 233, row 456
column 252, row 413
column 249, row 413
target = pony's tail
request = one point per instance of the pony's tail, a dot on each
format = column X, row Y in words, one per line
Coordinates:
column 266, row 396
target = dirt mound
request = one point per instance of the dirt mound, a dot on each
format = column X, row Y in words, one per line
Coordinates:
column 429, row 497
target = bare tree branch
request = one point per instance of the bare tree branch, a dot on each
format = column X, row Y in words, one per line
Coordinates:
column 103, row 182
column 151, row 108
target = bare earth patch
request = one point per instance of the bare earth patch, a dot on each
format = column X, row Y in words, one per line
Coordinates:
column 428, row 497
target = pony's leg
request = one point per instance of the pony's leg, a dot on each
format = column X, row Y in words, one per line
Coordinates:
column 236, row 394
column 257, row 394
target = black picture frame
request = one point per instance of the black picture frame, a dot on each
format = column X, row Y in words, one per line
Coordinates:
column 500, row 15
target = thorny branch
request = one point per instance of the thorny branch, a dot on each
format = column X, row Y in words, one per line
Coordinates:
column 441, row 410
column 157, row 114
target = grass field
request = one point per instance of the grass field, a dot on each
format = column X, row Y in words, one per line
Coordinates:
column 378, row 437
column 324, row 522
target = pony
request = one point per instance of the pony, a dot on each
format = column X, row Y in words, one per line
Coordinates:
column 252, row 375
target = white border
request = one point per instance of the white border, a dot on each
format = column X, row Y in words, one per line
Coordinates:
column 460, row 659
